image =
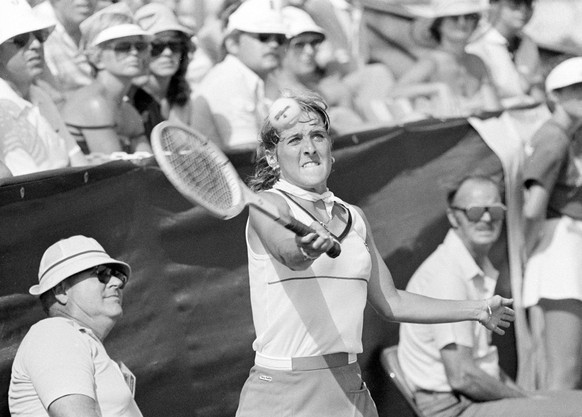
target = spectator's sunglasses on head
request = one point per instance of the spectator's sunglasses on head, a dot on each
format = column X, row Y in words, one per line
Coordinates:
column 471, row 17
column 105, row 272
column 268, row 37
column 125, row 47
column 475, row 213
column 176, row 46
column 23, row 39
column 300, row 44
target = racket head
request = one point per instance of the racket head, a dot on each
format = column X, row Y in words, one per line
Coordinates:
column 198, row 169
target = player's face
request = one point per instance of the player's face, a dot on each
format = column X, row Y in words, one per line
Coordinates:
column 304, row 154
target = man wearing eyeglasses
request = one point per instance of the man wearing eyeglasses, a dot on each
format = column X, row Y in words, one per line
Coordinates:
column 229, row 105
column 33, row 136
column 453, row 368
column 61, row 368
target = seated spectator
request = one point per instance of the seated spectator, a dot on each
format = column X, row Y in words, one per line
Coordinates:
column 300, row 71
column 229, row 105
column 68, row 65
column 98, row 115
column 61, row 367
column 553, row 183
column 511, row 56
column 163, row 94
column 453, row 368
column 33, row 136
column 344, row 57
column 447, row 81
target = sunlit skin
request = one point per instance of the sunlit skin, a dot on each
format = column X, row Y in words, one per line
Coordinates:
column 304, row 154
column 92, row 303
column 478, row 236
column 129, row 64
column 20, row 66
column 261, row 57
column 167, row 63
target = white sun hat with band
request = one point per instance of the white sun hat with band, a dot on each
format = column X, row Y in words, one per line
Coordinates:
column 111, row 22
column 17, row 17
column 68, row 257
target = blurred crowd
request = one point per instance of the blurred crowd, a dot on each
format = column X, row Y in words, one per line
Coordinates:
column 82, row 81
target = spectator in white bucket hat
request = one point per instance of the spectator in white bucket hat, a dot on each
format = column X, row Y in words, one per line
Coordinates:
column 61, row 365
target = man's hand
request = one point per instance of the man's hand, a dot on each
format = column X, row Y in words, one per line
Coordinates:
column 497, row 315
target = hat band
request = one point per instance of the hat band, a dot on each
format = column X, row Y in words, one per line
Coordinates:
column 69, row 258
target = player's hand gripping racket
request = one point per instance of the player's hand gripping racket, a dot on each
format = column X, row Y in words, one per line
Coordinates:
column 203, row 174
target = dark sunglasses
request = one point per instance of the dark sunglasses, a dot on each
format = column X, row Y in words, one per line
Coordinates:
column 471, row 17
column 126, row 47
column 104, row 274
column 24, row 38
column 175, row 47
column 268, row 37
column 301, row 44
column 475, row 213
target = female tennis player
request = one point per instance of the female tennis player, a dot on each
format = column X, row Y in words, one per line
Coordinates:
column 308, row 308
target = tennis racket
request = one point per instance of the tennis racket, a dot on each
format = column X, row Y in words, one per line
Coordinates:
column 203, row 174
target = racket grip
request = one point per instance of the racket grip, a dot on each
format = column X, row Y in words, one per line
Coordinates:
column 301, row 230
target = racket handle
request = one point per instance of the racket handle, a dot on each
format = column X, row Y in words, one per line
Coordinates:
column 301, row 230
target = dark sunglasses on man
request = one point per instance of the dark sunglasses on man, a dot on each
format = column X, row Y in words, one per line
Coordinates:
column 105, row 272
column 475, row 213
column 268, row 37
column 24, row 39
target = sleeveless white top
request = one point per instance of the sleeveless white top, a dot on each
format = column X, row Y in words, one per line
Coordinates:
column 313, row 312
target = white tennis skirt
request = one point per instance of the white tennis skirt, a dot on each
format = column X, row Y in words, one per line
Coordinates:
column 554, row 270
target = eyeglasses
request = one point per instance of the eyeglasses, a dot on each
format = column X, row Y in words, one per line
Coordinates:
column 299, row 45
column 268, row 37
column 24, row 38
column 126, row 47
column 104, row 274
column 475, row 213
column 471, row 17
column 175, row 47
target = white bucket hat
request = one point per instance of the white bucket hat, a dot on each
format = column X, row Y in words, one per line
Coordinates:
column 104, row 23
column 68, row 257
column 157, row 17
column 299, row 21
column 256, row 16
column 17, row 17
column 568, row 72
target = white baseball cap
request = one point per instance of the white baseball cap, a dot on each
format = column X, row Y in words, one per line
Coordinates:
column 299, row 21
column 256, row 16
column 17, row 17
column 68, row 257
column 568, row 72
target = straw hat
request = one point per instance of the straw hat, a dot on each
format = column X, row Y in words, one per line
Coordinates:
column 68, row 257
column 157, row 17
column 17, row 17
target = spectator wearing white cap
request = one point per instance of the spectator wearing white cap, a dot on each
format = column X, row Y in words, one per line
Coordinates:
column 66, row 61
column 61, row 367
column 455, row 82
column 229, row 104
column 33, row 136
column 553, row 209
column 98, row 115
column 300, row 71
column 164, row 93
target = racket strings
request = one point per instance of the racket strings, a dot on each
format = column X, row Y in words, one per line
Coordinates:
column 199, row 168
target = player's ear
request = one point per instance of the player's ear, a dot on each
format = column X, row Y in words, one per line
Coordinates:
column 452, row 218
column 272, row 159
